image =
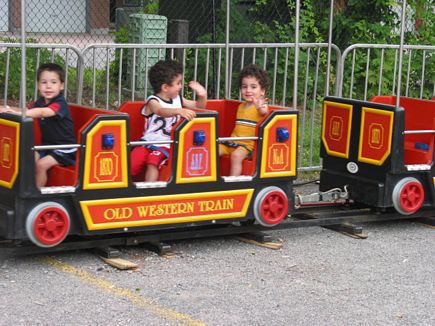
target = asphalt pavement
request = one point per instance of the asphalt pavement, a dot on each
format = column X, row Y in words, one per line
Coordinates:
column 318, row 277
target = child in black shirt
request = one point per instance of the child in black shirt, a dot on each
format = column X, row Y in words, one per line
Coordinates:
column 54, row 119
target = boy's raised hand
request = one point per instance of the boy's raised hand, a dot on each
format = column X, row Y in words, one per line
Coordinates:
column 261, row 104
column 198, row 88
column 187, row 114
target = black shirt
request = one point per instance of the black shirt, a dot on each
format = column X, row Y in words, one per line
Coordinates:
column 58, row 129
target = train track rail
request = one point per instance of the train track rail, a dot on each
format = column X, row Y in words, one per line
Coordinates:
column 337, row 217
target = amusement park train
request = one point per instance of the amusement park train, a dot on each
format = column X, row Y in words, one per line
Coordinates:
column 377, row 154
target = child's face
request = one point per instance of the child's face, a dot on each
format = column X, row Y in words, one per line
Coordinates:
column 251, row 89
column 49, row 85
column 174, row 89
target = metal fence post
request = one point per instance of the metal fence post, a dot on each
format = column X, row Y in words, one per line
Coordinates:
column 399, row 71
column 227, row 52
column 329, row 47
column 295, row 77
column 23, row 58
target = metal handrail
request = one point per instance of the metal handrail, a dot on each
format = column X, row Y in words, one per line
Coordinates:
column 368, row 47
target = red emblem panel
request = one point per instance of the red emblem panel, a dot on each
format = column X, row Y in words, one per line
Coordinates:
column 280, row 147
column 376, row 135
column 336, row 130
column 196, row 159
column 9, row 141
column 106, row 155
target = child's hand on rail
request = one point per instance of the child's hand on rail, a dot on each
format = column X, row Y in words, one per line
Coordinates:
column 7, row 109
column 187, row 114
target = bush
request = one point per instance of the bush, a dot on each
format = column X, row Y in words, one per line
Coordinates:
column 11, row 57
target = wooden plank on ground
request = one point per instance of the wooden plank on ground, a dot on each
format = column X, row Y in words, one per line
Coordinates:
column 119, row 263
column 269, row 245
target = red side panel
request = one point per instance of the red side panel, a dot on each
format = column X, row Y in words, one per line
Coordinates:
column 137, row 120
column 62, row 176
column 227, row 110
column 336, row 131
column 375, row 135
column 9, row 152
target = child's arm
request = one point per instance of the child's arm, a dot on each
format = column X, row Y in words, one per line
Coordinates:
column 156, row 108
column 201, row 92
column 33, row 113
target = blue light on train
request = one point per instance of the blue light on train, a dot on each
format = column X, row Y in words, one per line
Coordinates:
column 198, row 137
column 282, row 135
column 107, row 141
column 422, row 146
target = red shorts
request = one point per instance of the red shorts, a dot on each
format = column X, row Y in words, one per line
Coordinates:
column 142, row 156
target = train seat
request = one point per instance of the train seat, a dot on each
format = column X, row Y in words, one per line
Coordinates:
column 227, row 111
column 248, row 166
column 137, row 120
column 67, row 175
column 419, row 115
column 418, row 152
column 62, row 176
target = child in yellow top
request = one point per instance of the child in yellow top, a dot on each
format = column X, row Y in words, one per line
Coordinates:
column 253, row 83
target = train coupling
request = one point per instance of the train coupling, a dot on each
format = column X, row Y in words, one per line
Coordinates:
column 332, row 196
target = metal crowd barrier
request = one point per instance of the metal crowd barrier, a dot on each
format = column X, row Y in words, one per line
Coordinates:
column 105, row 75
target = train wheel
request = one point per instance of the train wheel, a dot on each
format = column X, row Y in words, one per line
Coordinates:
column 48, row 224
column 270, row 206
column 408, row 196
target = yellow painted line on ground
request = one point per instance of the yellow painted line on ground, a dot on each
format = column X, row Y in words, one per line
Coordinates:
column 134, row 298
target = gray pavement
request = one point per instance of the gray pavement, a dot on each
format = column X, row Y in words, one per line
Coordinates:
column 319, row 277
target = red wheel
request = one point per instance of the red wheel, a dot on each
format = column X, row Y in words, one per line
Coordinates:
column 408, row 196
column 270, row 206
column 47, row 224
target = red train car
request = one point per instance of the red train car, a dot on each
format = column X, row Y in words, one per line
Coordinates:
column 98, row 197
column 381, row 154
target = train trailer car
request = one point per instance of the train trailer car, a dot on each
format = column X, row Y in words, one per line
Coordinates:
column 97, row 198
column 380, row 154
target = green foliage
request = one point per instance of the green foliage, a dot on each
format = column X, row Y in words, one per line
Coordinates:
column 309, row 142
column 32, row 63
column 120, row 36
column 152, row 7
column 283, row 31
column 424, row 23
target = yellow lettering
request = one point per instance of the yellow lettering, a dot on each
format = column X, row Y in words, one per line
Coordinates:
column 278, row 156
column 229, row 203
column 336, row 126
column 109, row 214
column 160, row 210
column 142, row 210
column 106, row 166
column 6, row 152
column 152, row 210
column 185, row 207
column 165, row 209
column 117, row 213
column 216, row 205
column 376, row 136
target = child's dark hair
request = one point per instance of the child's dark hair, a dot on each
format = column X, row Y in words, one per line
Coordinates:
column 256, row 72
column 164, row 72
column 53, row 67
